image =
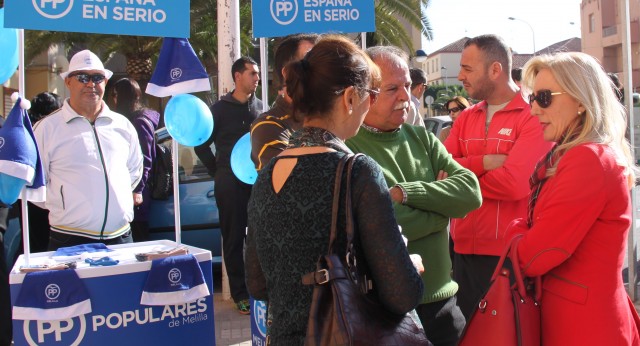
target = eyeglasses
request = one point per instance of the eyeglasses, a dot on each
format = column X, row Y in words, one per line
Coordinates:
column 373, row 94
column 454, row 110
column 544, row 97
column 84, row 78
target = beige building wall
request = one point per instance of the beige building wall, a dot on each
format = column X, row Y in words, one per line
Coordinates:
column 602, row 35
column 416, row 39
column 41, row 74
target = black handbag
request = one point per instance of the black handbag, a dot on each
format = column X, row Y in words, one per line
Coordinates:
column 342, row 313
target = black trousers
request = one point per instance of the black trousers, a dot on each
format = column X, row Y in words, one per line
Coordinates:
column 473, row 275
column 442, row 321
column 232, row 197
column 140, row 231
column 5, row 297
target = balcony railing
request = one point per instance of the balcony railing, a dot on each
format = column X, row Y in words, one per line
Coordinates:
column 609, row 31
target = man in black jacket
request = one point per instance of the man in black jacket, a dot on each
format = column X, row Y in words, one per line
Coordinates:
column 232, row 117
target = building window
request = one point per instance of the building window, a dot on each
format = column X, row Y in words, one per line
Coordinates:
column 592, row 23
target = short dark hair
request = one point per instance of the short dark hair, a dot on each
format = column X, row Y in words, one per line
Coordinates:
column 494, row 49
column 418, row 77
column 286, row 52
column 516, row 74
column 44, row 104
column 240, row 65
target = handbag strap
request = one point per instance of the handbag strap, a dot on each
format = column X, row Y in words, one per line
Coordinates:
column 347, row 160
column 348, row 210
column 336, row 201
column 511, row 251
column 517, row 272
column 322, row 276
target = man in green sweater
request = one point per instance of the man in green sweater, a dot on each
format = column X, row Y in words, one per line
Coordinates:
column 427, row 187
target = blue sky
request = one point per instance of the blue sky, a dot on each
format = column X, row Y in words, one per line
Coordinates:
column 549, row 19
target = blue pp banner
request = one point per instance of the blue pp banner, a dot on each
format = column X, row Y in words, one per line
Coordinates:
column 273, row 18
column 160, row 18
column 258, row 322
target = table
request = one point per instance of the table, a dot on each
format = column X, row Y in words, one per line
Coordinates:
column 117, row 318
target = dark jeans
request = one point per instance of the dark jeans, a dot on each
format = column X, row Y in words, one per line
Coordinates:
column 232, row 197
column 473, row 275
column 5, row 297
column 140, row 230
column 58, row 240
column 443, row 322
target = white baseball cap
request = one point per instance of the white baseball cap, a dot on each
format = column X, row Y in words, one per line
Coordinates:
column 85, row 61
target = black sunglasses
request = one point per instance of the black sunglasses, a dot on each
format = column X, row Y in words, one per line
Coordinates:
column 454, row 110
column 84, row 78
column 544, row 97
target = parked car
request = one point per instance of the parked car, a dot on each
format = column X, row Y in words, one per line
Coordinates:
column 437, row 123
column 200, row 224
column 199, row 220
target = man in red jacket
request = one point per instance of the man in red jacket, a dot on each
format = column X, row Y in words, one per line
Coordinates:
column 500, row 142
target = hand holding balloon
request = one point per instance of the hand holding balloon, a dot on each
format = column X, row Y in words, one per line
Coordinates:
column 188, row 120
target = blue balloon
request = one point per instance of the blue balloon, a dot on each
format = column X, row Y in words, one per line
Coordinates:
column 9, row 47
column 10, row 188
column 188, row 120
column 241, row 163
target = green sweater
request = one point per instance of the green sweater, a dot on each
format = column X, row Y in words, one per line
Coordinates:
column 412, row 158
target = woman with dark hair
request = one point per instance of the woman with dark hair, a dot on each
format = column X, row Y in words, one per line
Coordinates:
column 454, row 107
column 291, row 203
column 127, row 96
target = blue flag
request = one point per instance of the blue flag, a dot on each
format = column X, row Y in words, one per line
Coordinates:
column 19, row 157
column 179, row 71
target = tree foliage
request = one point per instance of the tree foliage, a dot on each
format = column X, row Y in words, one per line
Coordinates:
column 441, row 93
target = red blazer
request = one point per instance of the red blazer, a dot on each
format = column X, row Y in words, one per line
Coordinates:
column 577, row 243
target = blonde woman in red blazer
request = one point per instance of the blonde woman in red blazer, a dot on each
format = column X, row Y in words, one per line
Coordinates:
column 580, row 209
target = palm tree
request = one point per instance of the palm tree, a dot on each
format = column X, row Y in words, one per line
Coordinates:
column 389, row 27
column 445, row 92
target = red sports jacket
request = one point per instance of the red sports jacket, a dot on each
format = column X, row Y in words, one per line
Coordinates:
column 513, row 132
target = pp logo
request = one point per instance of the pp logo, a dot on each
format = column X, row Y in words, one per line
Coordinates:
column 52, row 291
column 284, row 11
column 259, row 312
column 176, row 73
column 175, row 275
column 53, row 9
column 57, row 330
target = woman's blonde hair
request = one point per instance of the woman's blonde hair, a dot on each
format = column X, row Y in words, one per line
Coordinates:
column 604, row 120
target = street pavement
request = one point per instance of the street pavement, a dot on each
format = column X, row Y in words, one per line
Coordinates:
column 232, row 328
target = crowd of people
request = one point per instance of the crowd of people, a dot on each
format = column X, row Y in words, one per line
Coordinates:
column 545, row 162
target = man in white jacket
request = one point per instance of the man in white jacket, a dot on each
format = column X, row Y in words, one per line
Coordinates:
column 91, row 159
